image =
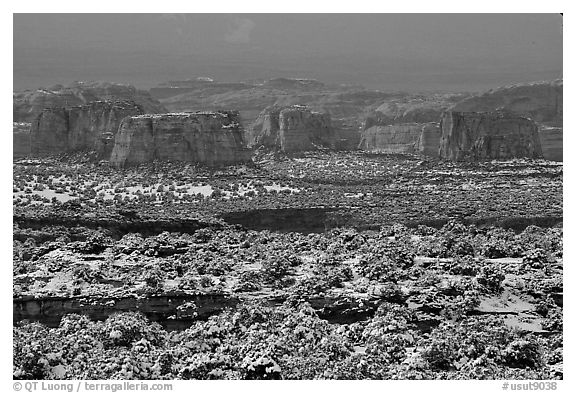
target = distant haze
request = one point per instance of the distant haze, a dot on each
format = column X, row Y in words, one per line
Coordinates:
column 410, row 52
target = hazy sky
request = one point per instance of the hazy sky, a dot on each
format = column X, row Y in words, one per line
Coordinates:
column 415, row 51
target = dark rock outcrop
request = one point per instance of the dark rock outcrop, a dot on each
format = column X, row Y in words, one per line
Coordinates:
column 211, row 138
column 21, row 140
column 540, row 101
column 488, row 135
column 411, row 138
column 86, row 127
column 27, row 105
column 290, row 129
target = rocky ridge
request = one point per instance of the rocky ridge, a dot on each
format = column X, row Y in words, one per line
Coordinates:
column 540, row 101
column 27, row 105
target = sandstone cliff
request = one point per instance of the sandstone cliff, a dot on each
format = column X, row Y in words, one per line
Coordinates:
column 21, row 140
column 410, row 138
column 488, row 135
column 211, row 138
column 552, row 143
column 85, row 127
column 410, row 109
column 540, row 101
column 28, row 105
column 290, row 129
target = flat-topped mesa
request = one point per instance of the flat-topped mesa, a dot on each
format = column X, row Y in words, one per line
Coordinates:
column 210, row 138
column 88, row 127
column 409, row 138
column 291, row 129
column 488, row 135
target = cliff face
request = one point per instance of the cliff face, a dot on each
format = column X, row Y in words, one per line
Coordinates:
column 21, row 139
column 410, row 109
column 86, row 127
column 410, row 138
column 290, row 129
column 265, row 131
column 301, row 129
column 28, row 105
column 552, row 143
column 211, row 138
column 429, row 142
column 488, row 135
column 540, row 101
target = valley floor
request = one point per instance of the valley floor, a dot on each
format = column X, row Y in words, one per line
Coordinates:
column 316, row 266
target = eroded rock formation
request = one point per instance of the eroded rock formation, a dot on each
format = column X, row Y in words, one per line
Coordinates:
column 27, row 105
column 21, row 139
column 85, row 127
column 410, row 109
column 488, row 135
column 411, row 138
column 302, row 129
column 211, row 138
column 290, row 129
column 552, row 143
column 540, row 101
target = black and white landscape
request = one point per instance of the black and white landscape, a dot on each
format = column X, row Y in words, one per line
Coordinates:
column 193, row 202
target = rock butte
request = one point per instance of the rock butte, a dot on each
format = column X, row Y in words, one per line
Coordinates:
column 291, row 129
column 85, row 127
column 211, row 138
column 396, row 124
column 486, row 135
column 410, row 138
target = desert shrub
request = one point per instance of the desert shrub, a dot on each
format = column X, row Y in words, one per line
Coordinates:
column 464, row 266
column 123, row 329
column 95, row 243
column 203, row 235
column 455, row 345
column 379, row 268
column 29, row 349
column 248, row 282
column 274, row 268
column 498, row 243
column 536, row 258
column 523, row 353
column 423, row 230
column 85, row 273
column 396, row 230
column 491, row 277
column 554, row 320
column 534, row 237
column 445, row 245
column 154, row 278
column 401, row 252
column 206, row 262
